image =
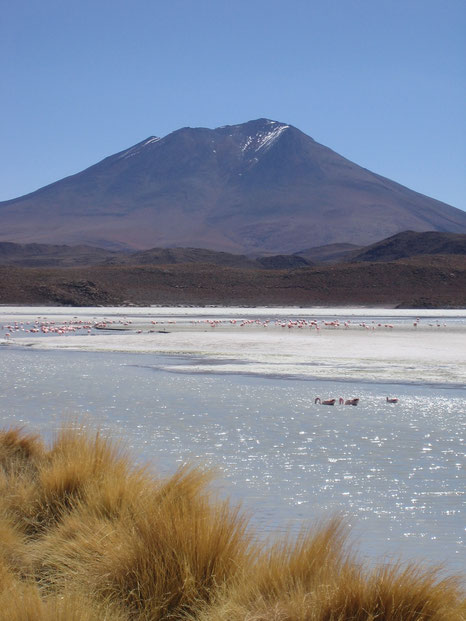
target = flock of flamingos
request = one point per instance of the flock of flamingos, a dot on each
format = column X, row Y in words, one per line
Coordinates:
column 45, row 326
column 342, row 401
column 42, row 325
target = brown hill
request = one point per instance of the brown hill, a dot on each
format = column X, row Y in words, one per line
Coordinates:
column 47, row 255
column 283, row 262
column 330, row 253
column 420, row 282
column 410, row 243
column 260, row 187
column 402, row 245
column 171, row 256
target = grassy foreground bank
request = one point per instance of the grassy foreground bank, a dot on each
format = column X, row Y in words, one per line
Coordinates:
column 86, row 536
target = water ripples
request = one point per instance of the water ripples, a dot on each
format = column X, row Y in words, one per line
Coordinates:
column 395, row 471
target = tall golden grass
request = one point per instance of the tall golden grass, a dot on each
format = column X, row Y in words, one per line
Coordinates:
column 86, row 536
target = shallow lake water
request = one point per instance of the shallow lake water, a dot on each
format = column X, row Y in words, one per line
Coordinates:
column 395, row 471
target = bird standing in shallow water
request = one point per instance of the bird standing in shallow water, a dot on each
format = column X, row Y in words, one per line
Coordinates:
column 354, row 401
column 325, row 402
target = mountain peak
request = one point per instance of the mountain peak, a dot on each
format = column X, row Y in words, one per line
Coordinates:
column 258, row 187
column 253, row 122
column 253, row 126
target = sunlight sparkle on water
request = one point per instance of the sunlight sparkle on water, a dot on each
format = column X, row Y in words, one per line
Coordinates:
column 395, row 471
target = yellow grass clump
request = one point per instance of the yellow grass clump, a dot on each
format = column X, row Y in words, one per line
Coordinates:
column 85, row 536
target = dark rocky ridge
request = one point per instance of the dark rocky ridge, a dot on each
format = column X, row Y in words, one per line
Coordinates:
column 48, row 255
column 44, row 255
column 419, row 282
column 260, row 187
column 408, row 244
column 330, row 253
column 398, row 246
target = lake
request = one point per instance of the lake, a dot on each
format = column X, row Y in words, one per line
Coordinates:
column 234, row 389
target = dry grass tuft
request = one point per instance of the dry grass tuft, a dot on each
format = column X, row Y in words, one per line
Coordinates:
column 162, row 557
column 312, row 582
column 20, row 453
column 17, row 446
column 24, row 601
column 84, row 536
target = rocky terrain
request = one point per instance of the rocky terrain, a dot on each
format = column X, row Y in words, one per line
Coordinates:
column 46, row 255
column 330, row 253
column 406, row 270
column 401, row 245
column 417, row 282
column 409, row 244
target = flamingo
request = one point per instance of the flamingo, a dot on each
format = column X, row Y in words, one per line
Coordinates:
column 353, row 401
column 325, row 402
column 392, row 400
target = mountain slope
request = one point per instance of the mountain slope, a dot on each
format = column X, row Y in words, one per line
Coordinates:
column 258, row 187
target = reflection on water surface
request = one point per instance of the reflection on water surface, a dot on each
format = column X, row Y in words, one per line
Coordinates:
column 393, row 470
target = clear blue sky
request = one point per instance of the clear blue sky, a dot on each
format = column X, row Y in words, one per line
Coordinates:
column 382, row 82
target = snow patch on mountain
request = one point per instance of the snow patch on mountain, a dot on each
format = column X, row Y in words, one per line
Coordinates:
column 262, row 141
column 268, row 139
column 249, row 139
column 138, row 148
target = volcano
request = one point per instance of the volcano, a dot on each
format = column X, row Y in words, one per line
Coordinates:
column 261, row 187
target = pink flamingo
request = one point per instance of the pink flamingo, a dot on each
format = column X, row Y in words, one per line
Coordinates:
column 354, row 401
column 325, row 402
column 392, row 400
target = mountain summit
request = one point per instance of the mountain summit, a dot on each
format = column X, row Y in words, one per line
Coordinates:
column 258, row 187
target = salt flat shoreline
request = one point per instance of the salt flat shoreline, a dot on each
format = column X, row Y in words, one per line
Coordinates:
column 342, row 344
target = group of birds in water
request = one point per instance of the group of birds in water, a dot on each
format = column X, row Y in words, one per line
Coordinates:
column 46, row 326
column 317, row 324
column 342, row 401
